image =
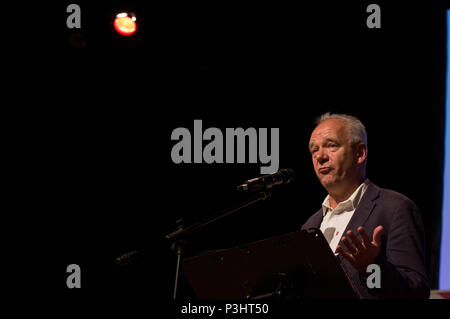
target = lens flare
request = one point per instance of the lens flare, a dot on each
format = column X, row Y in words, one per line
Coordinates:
column 125, row 24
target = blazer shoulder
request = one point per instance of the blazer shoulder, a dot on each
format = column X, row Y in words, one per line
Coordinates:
column 395, row 196
column 394, row 199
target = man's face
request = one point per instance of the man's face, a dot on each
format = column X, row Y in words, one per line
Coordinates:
column 334, row 159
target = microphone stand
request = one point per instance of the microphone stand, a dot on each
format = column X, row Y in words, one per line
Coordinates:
column 178, row 235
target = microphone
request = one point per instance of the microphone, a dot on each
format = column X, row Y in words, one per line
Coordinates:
column 283, row 176
column 154, row 249
column 128, row 258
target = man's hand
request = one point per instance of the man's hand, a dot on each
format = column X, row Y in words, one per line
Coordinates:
column 361, row 253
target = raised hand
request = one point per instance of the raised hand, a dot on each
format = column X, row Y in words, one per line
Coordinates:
column 361, row 253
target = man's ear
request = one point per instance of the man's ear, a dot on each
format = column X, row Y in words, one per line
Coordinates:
column 361, row 152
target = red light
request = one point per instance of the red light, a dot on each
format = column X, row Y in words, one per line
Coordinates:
column 124, row 24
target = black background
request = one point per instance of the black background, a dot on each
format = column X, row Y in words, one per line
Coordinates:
column 97, row 134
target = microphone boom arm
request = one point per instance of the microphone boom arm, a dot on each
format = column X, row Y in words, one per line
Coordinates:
column 183, row 231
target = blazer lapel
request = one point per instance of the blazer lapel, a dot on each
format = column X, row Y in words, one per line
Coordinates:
column 317, row 219
column 364, row 209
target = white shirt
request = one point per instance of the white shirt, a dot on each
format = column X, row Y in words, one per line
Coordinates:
column 336, row 220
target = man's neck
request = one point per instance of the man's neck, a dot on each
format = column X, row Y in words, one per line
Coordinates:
column 342, row 194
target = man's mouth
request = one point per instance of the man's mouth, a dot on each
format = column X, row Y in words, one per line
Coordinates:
column 324, row 170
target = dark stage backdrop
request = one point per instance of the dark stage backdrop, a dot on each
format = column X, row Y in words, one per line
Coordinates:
column 99, row 137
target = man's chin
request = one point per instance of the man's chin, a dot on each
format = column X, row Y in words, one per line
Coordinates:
column 327, row 182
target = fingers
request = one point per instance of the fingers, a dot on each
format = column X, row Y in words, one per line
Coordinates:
column 377, row 236
column 356, row 242
column 349, row 245
column 354, row 245
column 362, row 232
column 353, row 250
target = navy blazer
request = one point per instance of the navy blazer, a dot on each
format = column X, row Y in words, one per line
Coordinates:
column 401, row 259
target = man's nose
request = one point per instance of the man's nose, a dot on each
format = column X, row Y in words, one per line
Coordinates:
column 321, row 156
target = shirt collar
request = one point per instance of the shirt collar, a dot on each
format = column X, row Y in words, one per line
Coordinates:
column 349, row 204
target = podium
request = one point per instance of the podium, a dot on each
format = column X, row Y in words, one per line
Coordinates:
column 296, row 265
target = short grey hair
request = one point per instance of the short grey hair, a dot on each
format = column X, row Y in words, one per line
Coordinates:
column 357, row 130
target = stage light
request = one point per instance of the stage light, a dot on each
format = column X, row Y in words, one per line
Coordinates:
column 125, row 23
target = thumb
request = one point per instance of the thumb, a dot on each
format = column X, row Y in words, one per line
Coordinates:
column 377, row 236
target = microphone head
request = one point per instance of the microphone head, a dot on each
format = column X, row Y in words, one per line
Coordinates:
column 127, row 258
column 287, row 174
column 242, row 188
column 266, row 182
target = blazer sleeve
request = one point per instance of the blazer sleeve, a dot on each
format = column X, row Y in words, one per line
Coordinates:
column 403, row 273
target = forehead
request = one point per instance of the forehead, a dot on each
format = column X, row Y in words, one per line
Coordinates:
column 335, row 129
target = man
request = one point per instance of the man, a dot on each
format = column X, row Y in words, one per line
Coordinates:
column 363, row 223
